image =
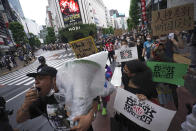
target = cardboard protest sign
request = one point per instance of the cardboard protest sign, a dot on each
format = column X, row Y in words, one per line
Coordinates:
column 118, row 32
column 83, row 47
column 144, row 113
column 171, row 73
column 177, row 18
column 126, row 54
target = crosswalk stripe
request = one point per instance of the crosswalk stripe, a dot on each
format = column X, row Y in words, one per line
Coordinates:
column 21, row 77
column 29, row 83
column 16, row 81
column 24, row 81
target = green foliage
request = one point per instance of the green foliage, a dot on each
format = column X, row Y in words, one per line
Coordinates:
column 85, row 30
column 50, row 37
column 34, row 41
column 18, row 32
column 109, row 30
column 133, row 21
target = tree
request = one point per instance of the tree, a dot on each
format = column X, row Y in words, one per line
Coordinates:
column 133, row 21
column 85, row 30
column 18, row 32
column 50, row 37
column 109, row 30
column 34, row 41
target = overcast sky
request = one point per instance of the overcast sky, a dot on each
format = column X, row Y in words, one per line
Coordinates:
column 36, row 9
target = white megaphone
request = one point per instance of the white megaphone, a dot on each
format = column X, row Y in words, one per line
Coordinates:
column 80, row 81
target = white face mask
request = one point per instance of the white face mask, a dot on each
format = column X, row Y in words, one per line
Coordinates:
column 138, row 40
column 148, row 39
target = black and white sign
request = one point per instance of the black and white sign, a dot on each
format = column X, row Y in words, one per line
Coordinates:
column 143, row 113
column 126, row 54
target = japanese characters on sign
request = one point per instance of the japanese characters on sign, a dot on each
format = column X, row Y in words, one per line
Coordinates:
column 144, row 113
column 126, row 54
column 177, row 18
column 171, row 73
column 84, row 47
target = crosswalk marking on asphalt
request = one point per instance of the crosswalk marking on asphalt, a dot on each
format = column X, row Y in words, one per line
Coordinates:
column 19, row 77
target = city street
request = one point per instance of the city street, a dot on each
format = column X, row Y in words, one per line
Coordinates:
column 15, row 84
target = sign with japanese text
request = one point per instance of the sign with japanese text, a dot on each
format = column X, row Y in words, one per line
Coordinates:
column 171, row 73
column 83, row 47
column 177, row 18
column 144, row 113
column 126, row 54
column 70, row 11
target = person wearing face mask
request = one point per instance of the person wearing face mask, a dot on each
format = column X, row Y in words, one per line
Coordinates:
column 147, row 47
column 39, row 98
column 137, row 79
column 139, row 48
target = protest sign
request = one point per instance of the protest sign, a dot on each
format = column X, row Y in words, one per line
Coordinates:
column 144, row 113
column 84, row 47
column 126, row 54
column 171, row 73
column 118, row 32
column 177, row 18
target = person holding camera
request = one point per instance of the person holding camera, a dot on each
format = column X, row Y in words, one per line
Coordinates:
column 38, row 99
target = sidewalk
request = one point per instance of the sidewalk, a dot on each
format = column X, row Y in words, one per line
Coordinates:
column 20, row 64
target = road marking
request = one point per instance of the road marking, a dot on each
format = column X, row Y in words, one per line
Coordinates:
column 17, row 95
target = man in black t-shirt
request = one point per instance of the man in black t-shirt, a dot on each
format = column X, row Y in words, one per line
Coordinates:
column 40, row 100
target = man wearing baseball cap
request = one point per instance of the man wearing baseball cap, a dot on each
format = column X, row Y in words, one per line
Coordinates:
column 39, row 97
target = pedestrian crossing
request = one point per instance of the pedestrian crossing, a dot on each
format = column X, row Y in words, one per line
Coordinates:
column 60, row 56
column 19, row 77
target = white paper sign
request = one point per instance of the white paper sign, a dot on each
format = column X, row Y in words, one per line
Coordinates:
column 116, row 77
column 144, row 113
column 128, row 54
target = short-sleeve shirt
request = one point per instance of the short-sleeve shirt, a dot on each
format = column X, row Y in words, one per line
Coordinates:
column 147, row 45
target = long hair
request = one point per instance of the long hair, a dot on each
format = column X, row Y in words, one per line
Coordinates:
column 142, row 78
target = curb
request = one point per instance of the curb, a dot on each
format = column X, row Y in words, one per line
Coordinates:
column 5, row 73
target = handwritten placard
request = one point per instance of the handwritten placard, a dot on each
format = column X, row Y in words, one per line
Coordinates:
column 83, row 47
column 165, row 72
column 177, row 18
column 144, row 113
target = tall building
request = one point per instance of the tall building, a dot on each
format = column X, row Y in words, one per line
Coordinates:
column 32, row 27
column 65, row 13
column 118, row 20
column 15, row 4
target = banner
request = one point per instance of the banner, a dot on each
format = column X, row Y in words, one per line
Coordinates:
column 126, row 54
column 177, row 18
column 144, row 113
column 143, row 6
column 84, row 47
column 171, row 73
column 70, row 12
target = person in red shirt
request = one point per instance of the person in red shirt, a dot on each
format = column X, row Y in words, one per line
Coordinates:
column 109, row 46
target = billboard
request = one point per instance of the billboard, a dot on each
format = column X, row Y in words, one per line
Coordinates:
column 70, row 11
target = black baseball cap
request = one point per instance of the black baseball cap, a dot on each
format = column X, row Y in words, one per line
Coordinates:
column 44, row 71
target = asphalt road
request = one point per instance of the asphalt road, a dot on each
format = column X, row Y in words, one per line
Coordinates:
column 15, row 84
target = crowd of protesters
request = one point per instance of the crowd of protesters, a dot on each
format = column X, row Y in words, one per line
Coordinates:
column 55, row 46
column 136, row 78
column 9, row 60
